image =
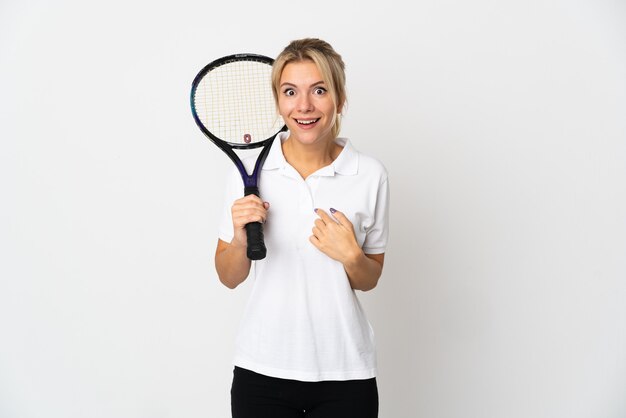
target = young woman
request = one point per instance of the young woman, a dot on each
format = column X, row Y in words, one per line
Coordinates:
column 305, row 347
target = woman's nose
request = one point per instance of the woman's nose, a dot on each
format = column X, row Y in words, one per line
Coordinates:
column 305, row 104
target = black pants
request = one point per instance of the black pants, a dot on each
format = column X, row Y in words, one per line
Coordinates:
column 257, row 396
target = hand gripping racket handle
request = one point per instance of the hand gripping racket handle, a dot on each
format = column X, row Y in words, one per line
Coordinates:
column 254, row 232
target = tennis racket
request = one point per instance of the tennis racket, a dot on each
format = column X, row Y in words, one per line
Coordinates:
column 233, row 105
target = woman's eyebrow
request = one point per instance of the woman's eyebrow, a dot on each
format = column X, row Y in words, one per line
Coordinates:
column 287, row 83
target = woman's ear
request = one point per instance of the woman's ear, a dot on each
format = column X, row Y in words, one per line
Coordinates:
column 340, row 108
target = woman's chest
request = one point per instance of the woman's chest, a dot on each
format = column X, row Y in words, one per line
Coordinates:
column 292, row 215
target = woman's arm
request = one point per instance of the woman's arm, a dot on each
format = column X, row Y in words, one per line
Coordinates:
column 231, row 261
column 364, row 270
column 337, row 240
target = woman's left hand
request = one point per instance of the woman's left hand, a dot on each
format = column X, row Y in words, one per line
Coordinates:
column 334, row 236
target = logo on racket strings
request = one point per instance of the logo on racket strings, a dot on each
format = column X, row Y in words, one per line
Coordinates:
column 247, row 138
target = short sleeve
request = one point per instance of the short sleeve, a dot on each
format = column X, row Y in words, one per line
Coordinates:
column 232, row 192
column 377, row 235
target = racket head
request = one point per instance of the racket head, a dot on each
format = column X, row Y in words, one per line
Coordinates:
column 232, row 101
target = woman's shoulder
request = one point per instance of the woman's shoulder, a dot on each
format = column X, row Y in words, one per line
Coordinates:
column 368, row 164
column 372, row 162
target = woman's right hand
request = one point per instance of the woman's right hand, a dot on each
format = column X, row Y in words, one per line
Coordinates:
column 231, row 261
column 245, row 210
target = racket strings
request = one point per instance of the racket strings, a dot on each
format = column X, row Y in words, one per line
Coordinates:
column 235, row 102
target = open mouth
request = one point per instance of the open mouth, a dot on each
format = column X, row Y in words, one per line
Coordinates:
column 306, row 121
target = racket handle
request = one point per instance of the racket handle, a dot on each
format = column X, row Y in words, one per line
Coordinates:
column 256, row 247
column 254, row 231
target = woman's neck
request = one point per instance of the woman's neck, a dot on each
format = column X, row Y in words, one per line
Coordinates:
column 307, row 159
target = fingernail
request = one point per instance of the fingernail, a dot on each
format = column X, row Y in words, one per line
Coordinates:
column 333, row 210
column 315, row 210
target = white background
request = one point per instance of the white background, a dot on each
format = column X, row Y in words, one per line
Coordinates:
column 502, row 124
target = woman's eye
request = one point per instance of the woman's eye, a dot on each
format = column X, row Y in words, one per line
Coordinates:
column 320, row 91
column 289, row 92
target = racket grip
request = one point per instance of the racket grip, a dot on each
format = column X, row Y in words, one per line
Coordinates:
column 256, row 247
column 254, row 231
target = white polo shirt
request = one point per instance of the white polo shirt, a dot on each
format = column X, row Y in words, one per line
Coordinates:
column 303, row 321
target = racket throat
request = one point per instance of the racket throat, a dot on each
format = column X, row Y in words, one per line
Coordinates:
column 248, row 190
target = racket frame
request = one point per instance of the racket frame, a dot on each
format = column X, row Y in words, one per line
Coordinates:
column 256, row 251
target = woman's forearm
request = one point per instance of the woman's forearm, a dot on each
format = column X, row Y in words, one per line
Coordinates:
column 232, row 264
column 364, row 270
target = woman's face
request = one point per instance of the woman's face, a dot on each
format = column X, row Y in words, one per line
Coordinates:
column 305, row 103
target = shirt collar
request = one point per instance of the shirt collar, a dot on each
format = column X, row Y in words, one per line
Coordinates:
column 346, row 163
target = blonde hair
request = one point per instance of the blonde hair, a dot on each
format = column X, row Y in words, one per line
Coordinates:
column 328, row 62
